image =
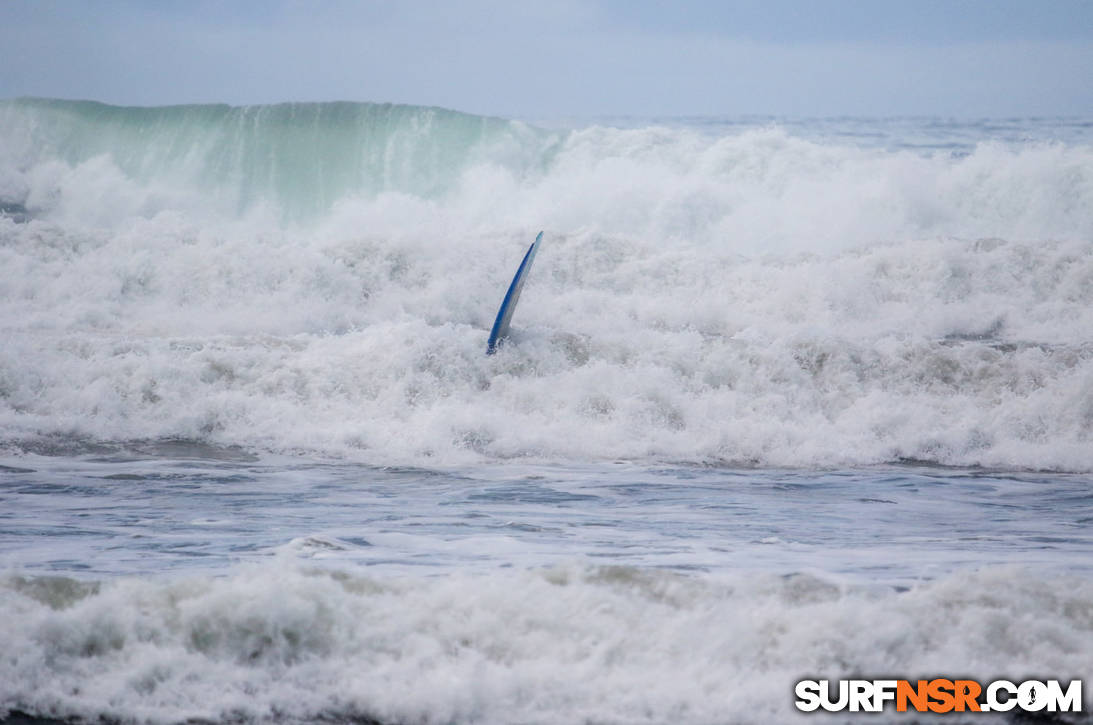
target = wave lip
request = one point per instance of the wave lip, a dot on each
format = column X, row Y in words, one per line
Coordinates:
column 299, row 157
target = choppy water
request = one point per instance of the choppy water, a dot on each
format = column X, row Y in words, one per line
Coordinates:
column 219, row 585
column 784, row 399
column 125, row 513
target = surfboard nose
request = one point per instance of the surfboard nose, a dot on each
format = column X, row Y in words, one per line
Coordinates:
column 504, row 315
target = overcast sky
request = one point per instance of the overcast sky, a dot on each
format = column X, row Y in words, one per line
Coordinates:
column 545, row 59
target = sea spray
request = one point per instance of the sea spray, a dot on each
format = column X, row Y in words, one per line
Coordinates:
column 322, row 277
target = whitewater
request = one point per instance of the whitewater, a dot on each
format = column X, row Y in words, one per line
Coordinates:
column 784, row 398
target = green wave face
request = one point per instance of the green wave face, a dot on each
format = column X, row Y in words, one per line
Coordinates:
column 303, row 157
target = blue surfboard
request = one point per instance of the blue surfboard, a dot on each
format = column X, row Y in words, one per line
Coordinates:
column 501, row 325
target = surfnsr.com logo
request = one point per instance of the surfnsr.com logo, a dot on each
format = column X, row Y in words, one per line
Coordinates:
column 938, row 695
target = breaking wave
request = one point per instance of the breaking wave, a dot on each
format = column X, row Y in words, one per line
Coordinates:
column 322, row 278
column 567, row 644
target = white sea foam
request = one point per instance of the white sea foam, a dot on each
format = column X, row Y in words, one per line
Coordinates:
column 753, row 297
column 571, row 643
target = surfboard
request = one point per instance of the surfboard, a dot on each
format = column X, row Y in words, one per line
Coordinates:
column 504, row 315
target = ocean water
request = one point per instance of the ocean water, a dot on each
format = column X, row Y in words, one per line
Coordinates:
column 784, row 399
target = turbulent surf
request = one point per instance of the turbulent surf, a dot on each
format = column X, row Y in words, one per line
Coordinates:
column 321, row 277
column 796, row 399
